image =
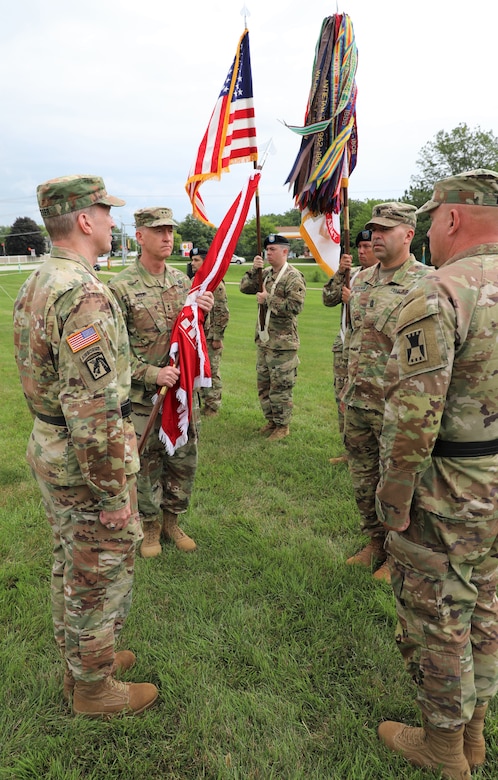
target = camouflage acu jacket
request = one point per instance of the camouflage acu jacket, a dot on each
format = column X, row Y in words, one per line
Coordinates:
column 150, row 305
column 217, row 320
column 374, row 308
column 286, row 302
column 332, row 290
column 442, row 382
column 332, row 296
column 72, row 353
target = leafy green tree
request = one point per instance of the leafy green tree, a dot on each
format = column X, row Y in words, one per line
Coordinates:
column 462, row 149
column 24, row 236
column 247, row 245
column 291, row 217
column 192, row 229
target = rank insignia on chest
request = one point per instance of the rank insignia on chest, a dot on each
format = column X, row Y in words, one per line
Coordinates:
column 416, row 351
column 83, row 338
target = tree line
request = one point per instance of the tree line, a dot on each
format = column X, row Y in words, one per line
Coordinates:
column 449, row 153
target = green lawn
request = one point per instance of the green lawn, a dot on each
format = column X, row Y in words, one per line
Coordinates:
column 274, row 660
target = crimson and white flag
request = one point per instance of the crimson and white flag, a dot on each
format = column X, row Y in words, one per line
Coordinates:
column 188, row 343
column 322, row 234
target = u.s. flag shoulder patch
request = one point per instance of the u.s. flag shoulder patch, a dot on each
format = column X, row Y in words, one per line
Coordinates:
column 83, row 338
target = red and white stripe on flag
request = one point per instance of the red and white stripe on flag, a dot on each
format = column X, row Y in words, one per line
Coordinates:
column 231, row 133
column 188, row 342
column 322, row 235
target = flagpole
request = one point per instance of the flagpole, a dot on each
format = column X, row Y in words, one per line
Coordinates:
column 345, row 215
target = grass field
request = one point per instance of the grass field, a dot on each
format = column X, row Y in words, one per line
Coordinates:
column 274, row 660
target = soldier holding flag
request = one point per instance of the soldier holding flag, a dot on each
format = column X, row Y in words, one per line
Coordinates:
column 151, row 295
column 283, row 293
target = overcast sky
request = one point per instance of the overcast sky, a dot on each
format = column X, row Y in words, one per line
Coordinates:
column 125, row 90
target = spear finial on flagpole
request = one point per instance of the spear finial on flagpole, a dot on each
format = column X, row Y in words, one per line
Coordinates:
column 245, row 13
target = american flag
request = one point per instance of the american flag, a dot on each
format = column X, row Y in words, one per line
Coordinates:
column 231, row 133
column 83, row 338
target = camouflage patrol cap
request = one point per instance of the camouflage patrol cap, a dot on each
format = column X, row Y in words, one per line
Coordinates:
column 471, row 188
column 154, row 217
column 391, row 215
column 276, row 238
column 72, row 193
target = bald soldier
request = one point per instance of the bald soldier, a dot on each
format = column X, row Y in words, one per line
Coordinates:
column 151, row 294
column 282, row 299
column 72, row 353
column 438, row 494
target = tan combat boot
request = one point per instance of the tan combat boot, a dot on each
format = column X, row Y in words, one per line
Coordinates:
column 174, row 533
column 110, row 697
column 474, row 746
column 151, row 543
column 430, row 747
column 339, row 459
column 383, row 574
column 268, row 428
column 279, row 432
column 371, row 555
column 123, row 660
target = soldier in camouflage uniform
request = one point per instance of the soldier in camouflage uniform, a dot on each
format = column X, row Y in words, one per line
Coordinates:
column 151, row 295
column 374, row 305
column 334, row 292
column 214, row 328
column 439, row 479
column 282, row 298
column 72, row 353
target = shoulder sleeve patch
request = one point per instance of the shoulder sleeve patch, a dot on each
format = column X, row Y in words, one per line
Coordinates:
column 83, row 338
column 422, row 347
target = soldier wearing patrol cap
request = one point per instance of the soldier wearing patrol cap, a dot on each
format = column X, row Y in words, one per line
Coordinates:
column 438, row 493
column 72, row 353
column 374, row 305
column 151, row 295
column 280, row 290
column 334, row 292
column 215, row 325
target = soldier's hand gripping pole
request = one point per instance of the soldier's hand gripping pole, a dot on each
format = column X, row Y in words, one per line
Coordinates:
column 152, row 419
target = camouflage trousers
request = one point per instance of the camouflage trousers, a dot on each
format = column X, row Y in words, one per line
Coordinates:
column 165, row 482
column 444, row 575
column 276, row 376
column 340, row 367
column 362, row 429
column 92, row 577
column 212, row 395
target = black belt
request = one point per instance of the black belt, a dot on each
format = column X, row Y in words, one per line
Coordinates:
column 464, row 449
column 61, row 421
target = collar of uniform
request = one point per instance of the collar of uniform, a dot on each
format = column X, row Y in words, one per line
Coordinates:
column 64, row 253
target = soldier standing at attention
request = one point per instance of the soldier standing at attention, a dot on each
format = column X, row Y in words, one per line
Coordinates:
column 282, row 297
column 151, row 295
column 72, row 353
column 374, row 306
column 333, row 293
column 214, row 328
column 439, row 480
